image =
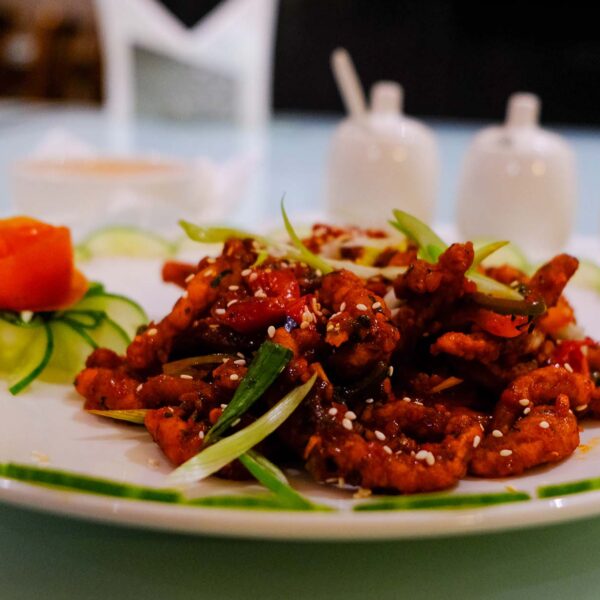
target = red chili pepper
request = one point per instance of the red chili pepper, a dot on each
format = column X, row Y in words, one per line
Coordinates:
column 570, row 352
column 253, row 314
column 297, row 309
column 506, row 326
column 276, row 283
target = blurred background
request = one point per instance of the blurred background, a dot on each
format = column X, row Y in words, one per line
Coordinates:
column 455, row 59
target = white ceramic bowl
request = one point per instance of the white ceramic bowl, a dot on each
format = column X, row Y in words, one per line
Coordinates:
column 89, row 193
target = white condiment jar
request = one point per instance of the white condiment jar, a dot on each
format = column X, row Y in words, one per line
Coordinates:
column 519, row 183
column 381, row 160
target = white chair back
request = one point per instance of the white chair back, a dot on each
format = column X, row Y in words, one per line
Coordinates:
column 234, row 40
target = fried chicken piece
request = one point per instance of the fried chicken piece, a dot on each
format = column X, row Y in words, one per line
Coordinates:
column 427, row 291
column 541, row 386
column 152, row 347
column 548, row 434
column 177, row 433
column 360, row 332
column 178, row 272
column 468, row 346
column 434, row 460
column 108, row 389
column 550, row 279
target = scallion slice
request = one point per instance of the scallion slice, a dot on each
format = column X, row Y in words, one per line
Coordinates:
column 431, row 246
column 132, row 415
column 184, row 365
column 224, row 451
column 274, row 480
column 482, row 252
column 267, row 364
column 311, row 259
column 217, row 235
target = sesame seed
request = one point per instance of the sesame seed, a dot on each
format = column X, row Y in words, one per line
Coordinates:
column 568, row 367
column 253, row 277
column 342, row 307
column 223, row 406
column 271, row 331
column 220, row 311
column 421, row 455
column 361, row 306
column 246, row 272
column 240, row 354
column 26, row 316
column 350, row 415
column 236, row 422
column 225, row 360
column 347, row 423
column 476, row 441
column 406, row 399
column 231, row 302
column 260, row 294
column 505, row 452
column 376, row 305
column 152, row 331
column 390, row 371
column 240, row 362
column 497, row 433
column 139, row 387
column 333, row 411
column 369, row 401
column 581, row 408
column 201, row 435
column 379, row 435
column 189, row 277
column 234, row 377
column 318, row 272
column 544, row 424
column 185, row 376
column 523, row 402
column 211, row 261
column 527, row 411
column 387, row 449
column 233, row 288
column 430, row 459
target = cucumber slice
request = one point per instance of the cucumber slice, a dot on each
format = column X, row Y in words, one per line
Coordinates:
column 124, row 313
column 35, row 348
column 510, row 254
column 72, row 348
column 125, row 241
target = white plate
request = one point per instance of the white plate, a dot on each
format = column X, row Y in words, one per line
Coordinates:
column 47, row 423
